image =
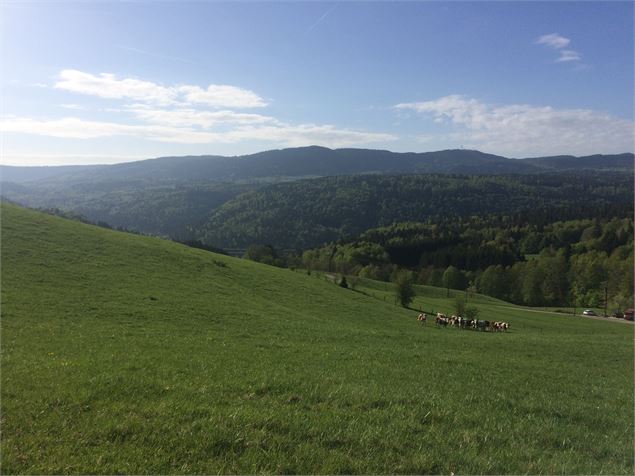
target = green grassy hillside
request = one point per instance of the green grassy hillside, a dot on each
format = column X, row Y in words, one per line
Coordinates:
column 128, row 354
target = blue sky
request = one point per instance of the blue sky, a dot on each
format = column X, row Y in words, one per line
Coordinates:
column 104, row 82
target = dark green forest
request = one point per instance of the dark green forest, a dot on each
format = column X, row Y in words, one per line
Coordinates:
column 564, row 263
column 309, row 213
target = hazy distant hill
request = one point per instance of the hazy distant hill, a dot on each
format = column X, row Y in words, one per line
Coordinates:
column 311, row 162
column 11, row 173
column 589, row 162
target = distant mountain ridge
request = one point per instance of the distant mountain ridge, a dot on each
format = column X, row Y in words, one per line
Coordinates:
column 313, row 161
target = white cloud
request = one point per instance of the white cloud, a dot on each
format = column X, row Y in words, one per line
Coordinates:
column 191, row 117
column 284, row 134
column 558, row 43
column 179, row 114
column 520, row 130
column 568, row 55
column 220, row 95
column 106, row 85
column 553, row 40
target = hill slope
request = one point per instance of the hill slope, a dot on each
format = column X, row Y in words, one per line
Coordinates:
column 128, row 354
column 316, row 211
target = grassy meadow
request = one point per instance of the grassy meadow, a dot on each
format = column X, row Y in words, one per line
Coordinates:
column 129, row 354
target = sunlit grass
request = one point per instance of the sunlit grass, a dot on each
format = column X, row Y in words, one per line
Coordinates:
column 127, row 354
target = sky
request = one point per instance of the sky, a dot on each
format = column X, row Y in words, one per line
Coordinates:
column 109, row 81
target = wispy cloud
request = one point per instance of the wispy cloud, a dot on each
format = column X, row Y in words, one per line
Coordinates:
column 559, row 43
column 221, row 95
column 186, row 117
column 525, row 130
column 106, row 85
column 553, row 40
column 568, row 55
column 183, row 114
column 280, row 133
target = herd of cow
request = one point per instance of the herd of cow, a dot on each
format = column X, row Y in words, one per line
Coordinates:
column 457, row 321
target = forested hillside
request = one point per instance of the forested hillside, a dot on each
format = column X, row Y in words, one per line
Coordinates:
column 576, row 262
column 308, row 213
column 174, row 211
column 175, row 196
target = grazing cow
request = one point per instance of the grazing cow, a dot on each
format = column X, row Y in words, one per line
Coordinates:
column 500, row 326
column 467, row 323
column 441, row 320
column 422, row 318
column 480, row 325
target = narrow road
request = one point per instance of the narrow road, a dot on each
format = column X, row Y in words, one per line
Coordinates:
column 597, row 318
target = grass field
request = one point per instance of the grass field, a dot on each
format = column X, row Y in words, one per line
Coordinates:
column 128, row 354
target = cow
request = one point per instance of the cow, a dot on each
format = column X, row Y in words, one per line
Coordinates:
column 422, row 318
column 441, row 320
column 467, row 323
column 482, row 325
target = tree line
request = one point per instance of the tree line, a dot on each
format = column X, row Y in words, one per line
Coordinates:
column 581, row 262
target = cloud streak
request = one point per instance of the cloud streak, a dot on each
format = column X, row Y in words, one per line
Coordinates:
column 553, row 40
column 188, row 117
column 221, row 95
column 108, row 86
column 559, row 43
column 568, row 55
column 520, row 130
column 280, row 133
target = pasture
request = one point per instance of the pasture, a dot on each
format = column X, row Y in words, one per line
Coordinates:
column 128, row 354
